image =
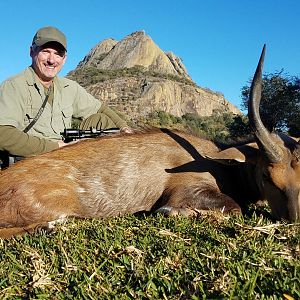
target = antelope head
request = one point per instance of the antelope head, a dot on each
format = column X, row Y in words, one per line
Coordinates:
column 278, row 168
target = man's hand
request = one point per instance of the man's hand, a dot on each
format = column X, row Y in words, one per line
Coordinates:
column 127, row 130
column 62, row 143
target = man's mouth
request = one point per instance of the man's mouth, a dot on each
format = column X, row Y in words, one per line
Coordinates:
column 50, row 67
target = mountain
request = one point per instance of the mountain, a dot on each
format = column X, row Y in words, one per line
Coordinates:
column 137, row 78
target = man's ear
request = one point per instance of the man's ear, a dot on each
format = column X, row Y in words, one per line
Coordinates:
column 31, row 51
column 234, row 155
column 65, row 58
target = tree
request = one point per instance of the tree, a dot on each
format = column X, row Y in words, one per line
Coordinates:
column 280, row 102
column 221, row 127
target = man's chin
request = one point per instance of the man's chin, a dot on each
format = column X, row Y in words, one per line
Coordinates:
column 50, row 73
column 50, row 76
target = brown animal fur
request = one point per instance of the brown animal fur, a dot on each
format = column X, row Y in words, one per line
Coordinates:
column 159, row 170
column 109, row 177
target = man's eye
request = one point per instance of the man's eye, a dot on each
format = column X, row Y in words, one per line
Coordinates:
column 60, row 54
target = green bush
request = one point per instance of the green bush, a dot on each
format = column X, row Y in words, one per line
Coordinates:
column 90, row 75
column 219, row 127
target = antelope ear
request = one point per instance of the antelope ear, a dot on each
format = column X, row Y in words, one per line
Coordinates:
column 235, row 155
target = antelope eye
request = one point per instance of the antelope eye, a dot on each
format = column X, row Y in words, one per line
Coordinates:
column 266, row 177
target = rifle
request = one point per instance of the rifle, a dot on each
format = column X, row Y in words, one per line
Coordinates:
column 78, row 134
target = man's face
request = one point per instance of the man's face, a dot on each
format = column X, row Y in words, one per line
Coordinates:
column 48, row 60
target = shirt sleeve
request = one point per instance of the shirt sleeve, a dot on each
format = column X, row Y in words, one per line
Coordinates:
column 120, row 123
column 85, row 104
column 18, row 143
column 11, row 111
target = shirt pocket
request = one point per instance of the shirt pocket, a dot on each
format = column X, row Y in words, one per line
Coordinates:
column 67, row 113
column 31, row 112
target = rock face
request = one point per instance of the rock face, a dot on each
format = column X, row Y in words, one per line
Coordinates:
column 140, row 96
column 98, row 53
column 136, row 77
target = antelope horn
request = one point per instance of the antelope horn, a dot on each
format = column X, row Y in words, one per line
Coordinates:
column 272, row 151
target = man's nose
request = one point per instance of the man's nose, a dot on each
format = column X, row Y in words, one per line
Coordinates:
column 51, row 58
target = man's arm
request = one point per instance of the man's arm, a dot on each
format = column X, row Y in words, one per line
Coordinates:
column 120, row 123
column 18, row 143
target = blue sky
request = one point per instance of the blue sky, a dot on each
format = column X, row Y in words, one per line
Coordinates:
column 219, row 41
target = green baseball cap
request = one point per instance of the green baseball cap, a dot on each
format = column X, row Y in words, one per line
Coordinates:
column 49, row 34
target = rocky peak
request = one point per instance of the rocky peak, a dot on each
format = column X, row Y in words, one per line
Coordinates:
column 137, row 78
column 177, row 64
column 97, row 53
column 136, row 49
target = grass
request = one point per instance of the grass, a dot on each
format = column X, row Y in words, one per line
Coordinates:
column 155, row 257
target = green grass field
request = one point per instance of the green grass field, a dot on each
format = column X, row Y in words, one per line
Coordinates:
column 155, row 257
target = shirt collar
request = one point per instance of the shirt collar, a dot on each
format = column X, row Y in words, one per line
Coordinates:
column 31, row 77
column 32, row 80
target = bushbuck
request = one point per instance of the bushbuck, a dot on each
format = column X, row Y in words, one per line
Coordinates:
column 157, row 170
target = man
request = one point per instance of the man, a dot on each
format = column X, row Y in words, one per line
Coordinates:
column 22, row 96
